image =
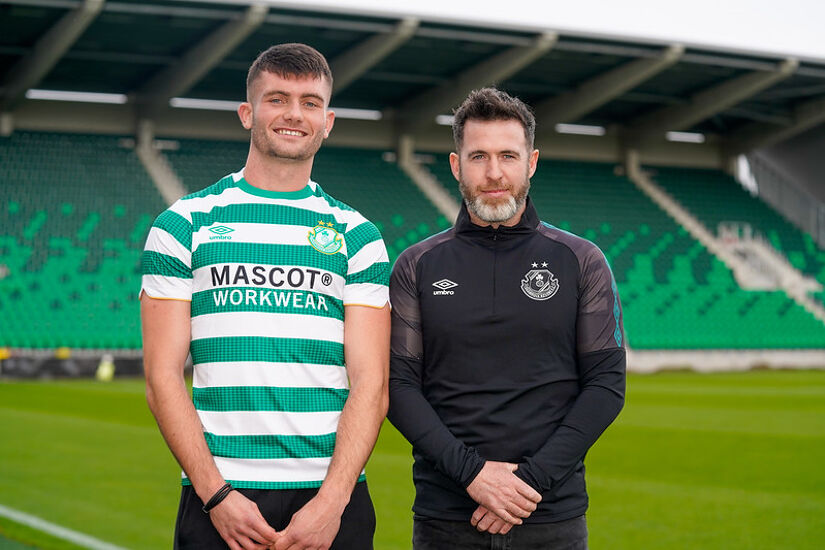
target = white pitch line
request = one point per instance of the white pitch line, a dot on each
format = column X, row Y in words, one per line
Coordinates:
column 56, row 530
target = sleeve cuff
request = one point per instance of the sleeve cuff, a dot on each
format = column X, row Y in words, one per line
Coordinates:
column 366, row 294
column 472, row 467
column 524, row 473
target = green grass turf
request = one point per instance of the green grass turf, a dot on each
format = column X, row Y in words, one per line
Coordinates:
column 722, row 461
column 10, row 532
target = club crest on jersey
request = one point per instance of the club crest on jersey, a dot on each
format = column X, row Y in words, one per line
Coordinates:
column 539, row 284
column 325, row 239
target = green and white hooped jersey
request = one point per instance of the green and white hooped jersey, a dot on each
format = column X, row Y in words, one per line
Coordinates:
column 268, row 275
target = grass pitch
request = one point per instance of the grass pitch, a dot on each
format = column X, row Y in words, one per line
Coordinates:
column 722, row 461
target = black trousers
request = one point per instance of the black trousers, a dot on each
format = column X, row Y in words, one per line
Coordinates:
column 439, row 534
column 194, row 529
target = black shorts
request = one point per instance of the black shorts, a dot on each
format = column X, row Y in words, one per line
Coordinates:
column 194, row 529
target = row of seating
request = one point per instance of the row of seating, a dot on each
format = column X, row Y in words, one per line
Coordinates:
column 714, row 197
column 75, row 211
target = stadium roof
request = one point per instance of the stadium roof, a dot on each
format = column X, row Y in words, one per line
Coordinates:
column 400, row 73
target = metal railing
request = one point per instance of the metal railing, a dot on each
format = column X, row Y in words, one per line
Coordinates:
column 797, row 205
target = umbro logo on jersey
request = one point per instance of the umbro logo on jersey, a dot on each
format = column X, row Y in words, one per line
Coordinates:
column 220, row 232
column 444, row 286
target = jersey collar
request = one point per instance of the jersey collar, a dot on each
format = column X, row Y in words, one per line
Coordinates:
column 305, row 191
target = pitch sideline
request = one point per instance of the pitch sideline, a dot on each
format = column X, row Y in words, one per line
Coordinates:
column 56, row 530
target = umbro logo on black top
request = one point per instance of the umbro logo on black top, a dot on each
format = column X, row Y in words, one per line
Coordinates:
column 444, row 286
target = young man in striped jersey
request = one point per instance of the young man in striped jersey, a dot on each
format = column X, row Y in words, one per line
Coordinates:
column 280, row 293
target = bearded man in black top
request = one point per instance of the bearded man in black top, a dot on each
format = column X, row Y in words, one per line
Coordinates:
column 507, row 354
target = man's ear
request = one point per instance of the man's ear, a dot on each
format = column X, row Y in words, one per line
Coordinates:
column 245, row 114
column 454, row 165
column 533, row 162
column 328, row 123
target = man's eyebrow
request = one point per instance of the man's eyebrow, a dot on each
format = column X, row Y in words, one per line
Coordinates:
column 504, row 152
column 313, row 95
column 287, row 94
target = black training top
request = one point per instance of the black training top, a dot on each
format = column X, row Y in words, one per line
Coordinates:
column 507, row 345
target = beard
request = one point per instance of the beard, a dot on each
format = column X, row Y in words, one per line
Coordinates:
column 264, row 142
column 495, row 210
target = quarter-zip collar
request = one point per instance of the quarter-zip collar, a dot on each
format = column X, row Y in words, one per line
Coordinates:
column 528, row 223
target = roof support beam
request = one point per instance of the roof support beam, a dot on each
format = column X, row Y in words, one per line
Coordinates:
column 759, row 134
column 350, row 65
column 421, row 110
column 599, row 90
column 179, row 77
column 706, row 103
column 48, row 50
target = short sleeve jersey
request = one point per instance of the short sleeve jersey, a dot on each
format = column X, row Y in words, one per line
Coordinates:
column 268, row 275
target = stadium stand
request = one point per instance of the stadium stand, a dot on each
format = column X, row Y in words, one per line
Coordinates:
column 395, row 76
column 714, row 197
column 75, row 213
column 200, row 163
column 675, row 294
column 65, row 256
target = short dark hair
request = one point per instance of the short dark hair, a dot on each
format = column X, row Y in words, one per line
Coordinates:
column 493, row 104
column 288, row 60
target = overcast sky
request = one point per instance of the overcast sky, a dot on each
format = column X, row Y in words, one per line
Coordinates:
column 786, row 27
